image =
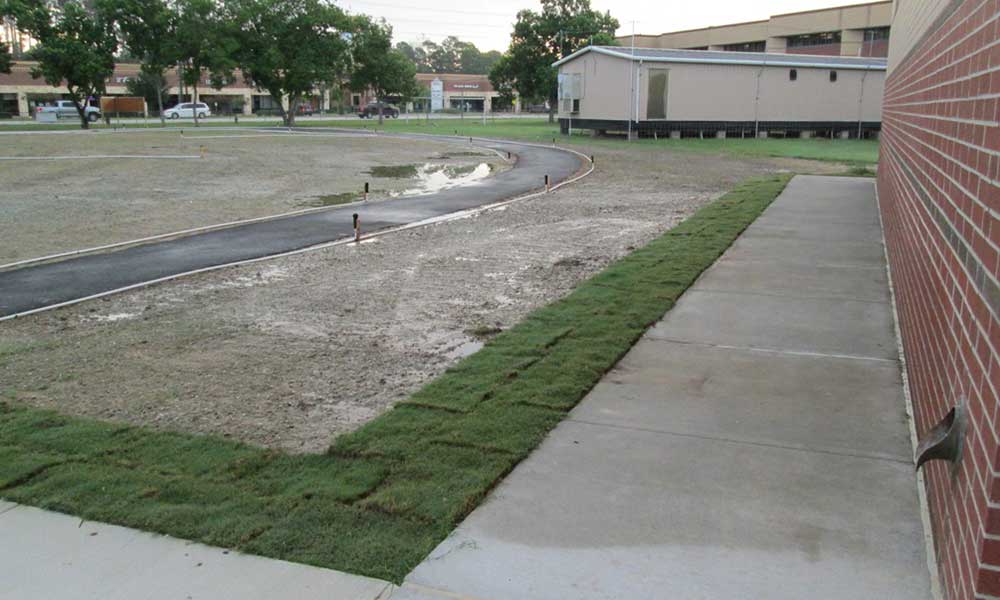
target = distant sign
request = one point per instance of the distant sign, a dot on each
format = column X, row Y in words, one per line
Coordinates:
column 437, row 94
column 466, row 86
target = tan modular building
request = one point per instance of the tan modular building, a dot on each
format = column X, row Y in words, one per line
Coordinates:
column 854, row 30
column 649, row 91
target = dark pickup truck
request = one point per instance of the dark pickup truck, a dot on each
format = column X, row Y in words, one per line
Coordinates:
column 371, row 110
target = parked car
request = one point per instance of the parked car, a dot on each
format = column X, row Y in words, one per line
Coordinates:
column 305, row 109
column 371, row 110
column 186, row 110
column 65, row 109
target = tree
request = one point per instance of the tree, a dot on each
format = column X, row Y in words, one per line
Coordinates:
column 290, row 47
column 151, row 86
column 5, row 59
column 76, row 47
column 203, row 43
column 147, row 28
column 540, row 39
column 379, row 67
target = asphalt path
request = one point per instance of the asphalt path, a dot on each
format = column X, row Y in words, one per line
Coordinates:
column 48, row 284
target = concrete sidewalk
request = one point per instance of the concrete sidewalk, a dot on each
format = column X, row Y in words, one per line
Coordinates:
column 754, row 444
column 45, row 555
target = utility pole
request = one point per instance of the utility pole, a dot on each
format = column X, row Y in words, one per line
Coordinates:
column 631, row 82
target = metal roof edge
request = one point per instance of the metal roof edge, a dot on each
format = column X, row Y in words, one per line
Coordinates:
column 783, row 62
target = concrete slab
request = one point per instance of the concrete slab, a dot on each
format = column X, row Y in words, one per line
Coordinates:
column 818, row 230
column 776, row 249
column 835, row 327
column 753, row 445
column 836, row 405
column 45, row 555
column 798, row 280
column 611, row 512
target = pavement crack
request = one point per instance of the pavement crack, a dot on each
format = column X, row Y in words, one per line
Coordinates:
column 712, row 438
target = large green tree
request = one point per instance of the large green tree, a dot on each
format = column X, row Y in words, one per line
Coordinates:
column 147, row 29
column 541, row 38
column 204, row 44
column 290, row 47
column 378, row 66
column 76, row 46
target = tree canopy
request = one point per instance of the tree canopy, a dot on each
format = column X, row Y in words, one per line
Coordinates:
column 541, row 38
column 452, row 55
column 202, row 43
column 290, row 47
column 147, row 29
column 76, row 46
column 378, row 66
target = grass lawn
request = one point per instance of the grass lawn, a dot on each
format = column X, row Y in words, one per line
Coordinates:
column 855, row 152
column 383, row 496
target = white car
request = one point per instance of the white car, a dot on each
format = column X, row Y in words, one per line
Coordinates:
column 186, row 110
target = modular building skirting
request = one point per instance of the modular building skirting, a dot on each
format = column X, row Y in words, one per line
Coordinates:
column 710, row 127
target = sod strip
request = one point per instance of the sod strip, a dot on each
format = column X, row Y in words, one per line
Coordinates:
column 384, row 496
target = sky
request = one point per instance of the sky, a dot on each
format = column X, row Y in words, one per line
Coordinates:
column 488, row 23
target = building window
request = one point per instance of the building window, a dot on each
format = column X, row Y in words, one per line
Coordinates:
column 873, row 34
column 833, row 76
column 576, row 105
column 814, row 43
column 814, row 39
column 356, row 100
column 745, row 47
column 793, row 75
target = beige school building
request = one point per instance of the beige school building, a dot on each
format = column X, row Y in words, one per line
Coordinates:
column 653, row 91
column 852, row 30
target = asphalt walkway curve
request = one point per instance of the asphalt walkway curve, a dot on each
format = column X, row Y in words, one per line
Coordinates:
column 34, row 287
column 754, row 444
column 46, row 555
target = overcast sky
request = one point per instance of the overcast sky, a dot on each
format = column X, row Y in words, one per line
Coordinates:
column 487, row 23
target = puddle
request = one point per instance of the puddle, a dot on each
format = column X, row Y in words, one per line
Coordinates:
column 114, row 317
column 331, row 199
column 462, row 350
column 432, row 178
column 427, row 179
column 394, row 172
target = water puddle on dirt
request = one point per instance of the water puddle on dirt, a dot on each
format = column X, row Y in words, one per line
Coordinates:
column 430, row 178
column 331, row 199
column 462, row 350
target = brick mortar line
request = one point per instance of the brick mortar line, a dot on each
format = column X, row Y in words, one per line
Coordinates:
column 991, row 295
column 921, row 48
column 925, row 515
column 968, row 276
column 977, row 471
column 949, row 328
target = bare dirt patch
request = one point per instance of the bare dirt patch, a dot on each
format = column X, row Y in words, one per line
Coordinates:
column 54, row 206
column 291, row 352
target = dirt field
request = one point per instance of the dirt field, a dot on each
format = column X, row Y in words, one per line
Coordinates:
column 58, row 205
column 289, row 353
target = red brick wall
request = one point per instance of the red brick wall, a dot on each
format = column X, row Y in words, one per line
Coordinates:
column 940, row 200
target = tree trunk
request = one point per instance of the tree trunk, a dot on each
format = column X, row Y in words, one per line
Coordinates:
column 84, row 123
column 194, row 103
column 380, row 107
column 159, row 98
column 293, row 109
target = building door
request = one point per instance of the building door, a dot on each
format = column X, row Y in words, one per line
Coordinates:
column 656, row 97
